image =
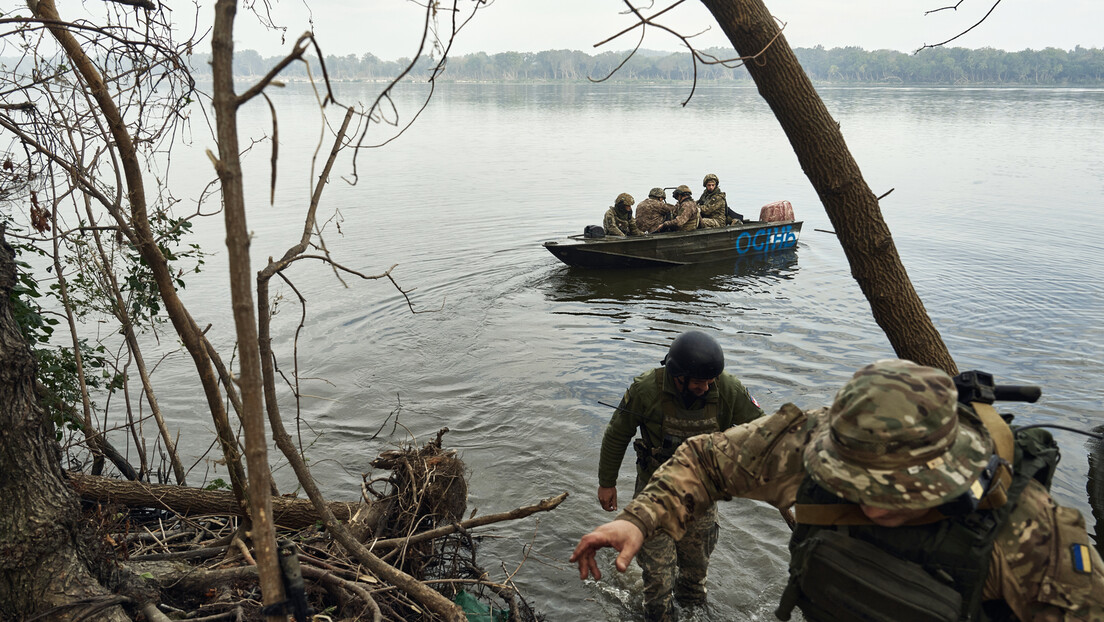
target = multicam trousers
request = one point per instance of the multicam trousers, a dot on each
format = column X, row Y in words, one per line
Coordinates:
column 677, row 569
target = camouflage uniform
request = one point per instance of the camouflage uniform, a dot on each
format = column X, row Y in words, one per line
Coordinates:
column 713, row 206
column 654, row 211
column 651, row 405
column 688, row 216
column 619, row 219
column 887, row 442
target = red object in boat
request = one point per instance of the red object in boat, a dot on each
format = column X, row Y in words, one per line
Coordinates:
column 776, row 212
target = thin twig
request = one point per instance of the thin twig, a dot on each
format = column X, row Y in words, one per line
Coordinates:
column 990, row 12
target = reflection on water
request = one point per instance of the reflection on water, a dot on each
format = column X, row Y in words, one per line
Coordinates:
column 681, row 284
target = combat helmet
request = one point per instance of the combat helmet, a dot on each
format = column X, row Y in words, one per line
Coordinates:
column 624, row 199
column 682, row 191
column 894, row 439
column 696, row 355
column 711, row 178
column 657, row 193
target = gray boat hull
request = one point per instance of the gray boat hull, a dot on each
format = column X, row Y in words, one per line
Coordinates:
column 678, row 248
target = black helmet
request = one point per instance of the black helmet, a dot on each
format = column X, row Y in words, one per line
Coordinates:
column 694, row 354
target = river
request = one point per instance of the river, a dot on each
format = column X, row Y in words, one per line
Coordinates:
column 994, row 211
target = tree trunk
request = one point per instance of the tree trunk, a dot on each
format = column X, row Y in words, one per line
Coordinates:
column 286, row 512
column 851, row 205
column 41, row 562
column 228, row 167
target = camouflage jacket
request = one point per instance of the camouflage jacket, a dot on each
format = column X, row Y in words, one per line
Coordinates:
column 1031, row 567
column 620, row 222
column 713, row 205
column 641, row 408
column 651, row 213
column 688, row 216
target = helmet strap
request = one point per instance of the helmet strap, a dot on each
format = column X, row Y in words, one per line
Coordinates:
column 684, row 391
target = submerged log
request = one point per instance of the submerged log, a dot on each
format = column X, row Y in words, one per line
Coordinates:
column 286, row 511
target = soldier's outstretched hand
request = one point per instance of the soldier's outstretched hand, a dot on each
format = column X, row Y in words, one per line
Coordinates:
column 619, row 534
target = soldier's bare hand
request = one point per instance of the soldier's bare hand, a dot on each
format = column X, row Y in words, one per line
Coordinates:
column 607, row 498
column 619, row 534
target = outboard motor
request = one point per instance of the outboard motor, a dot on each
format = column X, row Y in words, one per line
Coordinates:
column 594, row 231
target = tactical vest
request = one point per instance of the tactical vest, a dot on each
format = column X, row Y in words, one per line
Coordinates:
column 955, row 551
column 679, row 424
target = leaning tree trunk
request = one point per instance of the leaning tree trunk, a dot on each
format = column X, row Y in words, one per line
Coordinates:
column 851, row 205
column 41, row 565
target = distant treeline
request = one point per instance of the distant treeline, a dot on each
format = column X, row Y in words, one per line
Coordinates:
column 853, row 65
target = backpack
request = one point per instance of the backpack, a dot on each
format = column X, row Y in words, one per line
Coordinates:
column 594, row 231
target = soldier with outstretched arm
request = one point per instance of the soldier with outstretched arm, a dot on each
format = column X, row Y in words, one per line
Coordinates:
column 896, row 486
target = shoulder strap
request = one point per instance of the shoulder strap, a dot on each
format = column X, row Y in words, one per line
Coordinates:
column 849, row 514
column 1004, row 445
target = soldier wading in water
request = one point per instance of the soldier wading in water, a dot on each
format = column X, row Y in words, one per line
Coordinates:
column 690, row 395
column 905, row 506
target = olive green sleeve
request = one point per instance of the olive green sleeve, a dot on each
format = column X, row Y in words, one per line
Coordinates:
column 619, row 432
column 746, row 408
column 737, row 405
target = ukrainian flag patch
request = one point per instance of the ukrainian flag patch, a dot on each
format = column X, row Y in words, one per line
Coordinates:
column 1082, row 563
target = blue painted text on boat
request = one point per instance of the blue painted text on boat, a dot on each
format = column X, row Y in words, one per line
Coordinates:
column 766, row 240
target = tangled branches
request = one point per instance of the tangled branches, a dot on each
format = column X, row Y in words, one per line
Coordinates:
column 204, row 566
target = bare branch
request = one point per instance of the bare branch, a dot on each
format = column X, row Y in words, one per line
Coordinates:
column 142, row 4
column 945, row 8
column 545, row 505
column 296, row 54
column 935, row 45
column 696, row 56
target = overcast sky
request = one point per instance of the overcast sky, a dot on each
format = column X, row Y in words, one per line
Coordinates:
column 388, row 28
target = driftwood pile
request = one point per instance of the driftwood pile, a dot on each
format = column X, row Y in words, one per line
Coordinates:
column 192, row 545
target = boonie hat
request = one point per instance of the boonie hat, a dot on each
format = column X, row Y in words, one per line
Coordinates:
column 894, row 440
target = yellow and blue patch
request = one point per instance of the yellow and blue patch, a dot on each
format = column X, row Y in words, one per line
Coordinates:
column 1082, row 562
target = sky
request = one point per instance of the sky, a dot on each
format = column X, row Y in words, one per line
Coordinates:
column 389, row 28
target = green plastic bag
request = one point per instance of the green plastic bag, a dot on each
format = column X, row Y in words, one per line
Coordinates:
column 478, row 611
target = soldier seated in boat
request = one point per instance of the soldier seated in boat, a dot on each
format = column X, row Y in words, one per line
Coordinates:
column 687, row 215
column 714, row 206
column 654, row 211
column 619, row 219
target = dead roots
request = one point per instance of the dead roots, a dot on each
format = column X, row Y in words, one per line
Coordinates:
column 203, row 566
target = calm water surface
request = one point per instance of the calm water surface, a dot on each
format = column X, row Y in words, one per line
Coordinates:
column 995, row 211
